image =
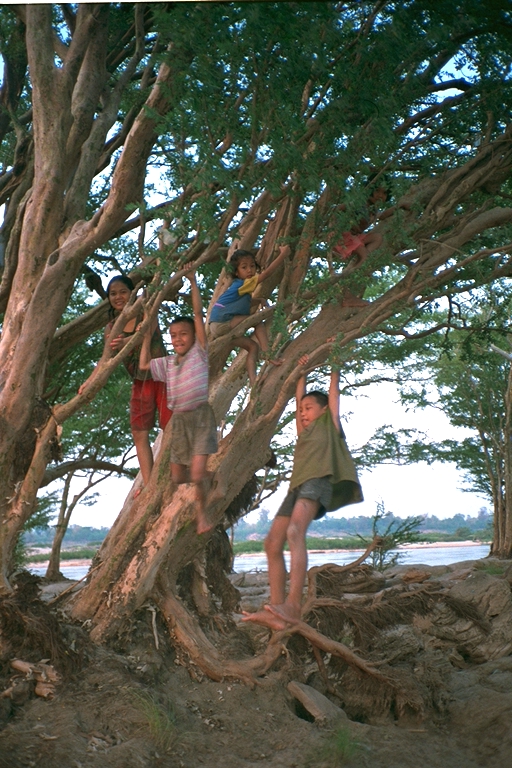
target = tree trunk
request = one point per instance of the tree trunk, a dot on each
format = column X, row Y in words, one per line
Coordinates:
column 502, row 539
column 53, row 570
column 49, row 259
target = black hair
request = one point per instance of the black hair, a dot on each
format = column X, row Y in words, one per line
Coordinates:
column 235, row 259
column 377, row 180
column 183, row 319
column 118, row 279
column 320, row 397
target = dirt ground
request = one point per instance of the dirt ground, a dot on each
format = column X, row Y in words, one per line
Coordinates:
column 144, row 706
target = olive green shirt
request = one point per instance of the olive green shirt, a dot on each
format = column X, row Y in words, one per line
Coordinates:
column 322, row 452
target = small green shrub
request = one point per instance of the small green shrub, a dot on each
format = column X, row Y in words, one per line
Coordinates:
column 83, row 553
column 393, row 534
column 159, row 716
column 312, row 542
column 492, row 569
column 247, row 547
column 337, row 750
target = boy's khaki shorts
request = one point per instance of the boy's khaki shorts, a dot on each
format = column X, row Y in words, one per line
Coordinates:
column 194, row 433
column 219, row 329
column 317, row 489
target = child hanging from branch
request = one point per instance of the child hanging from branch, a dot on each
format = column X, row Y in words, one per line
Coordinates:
column 323, row 479
column 194, row 432
column 359, row 242
column 235, row 304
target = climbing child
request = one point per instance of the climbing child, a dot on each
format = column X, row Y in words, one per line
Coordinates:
column 194, row 432
column 358, row 241
column 234, row 305
column 148, row 396
column 323, row 479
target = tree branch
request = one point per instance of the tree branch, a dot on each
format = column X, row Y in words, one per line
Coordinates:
column 55, row 473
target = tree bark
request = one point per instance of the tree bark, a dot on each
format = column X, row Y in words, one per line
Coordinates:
column 502, row 538
column 48, row 260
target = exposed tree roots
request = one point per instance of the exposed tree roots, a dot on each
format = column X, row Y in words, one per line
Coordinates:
column 28, row 630
column 203, row 655
column 367, row 647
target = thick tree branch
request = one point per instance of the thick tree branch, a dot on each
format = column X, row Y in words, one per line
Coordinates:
column 61, row 470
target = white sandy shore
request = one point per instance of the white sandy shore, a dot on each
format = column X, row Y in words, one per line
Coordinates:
column 63, row 563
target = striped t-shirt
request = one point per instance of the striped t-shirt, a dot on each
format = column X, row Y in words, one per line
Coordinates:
column 186, row 378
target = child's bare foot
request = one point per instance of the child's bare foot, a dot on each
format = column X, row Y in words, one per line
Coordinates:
column 203, row 524
column 266, row 619
column 275, row 360
column 138, row 492
column 285, row 612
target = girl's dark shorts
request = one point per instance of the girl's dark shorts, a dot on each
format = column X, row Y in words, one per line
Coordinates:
column 317, row 489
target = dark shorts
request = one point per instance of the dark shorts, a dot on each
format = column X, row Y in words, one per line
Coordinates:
column 194, row 433
column 147, row 398
column 317, row 489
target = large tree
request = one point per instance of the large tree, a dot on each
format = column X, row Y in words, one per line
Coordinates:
column 255, row 123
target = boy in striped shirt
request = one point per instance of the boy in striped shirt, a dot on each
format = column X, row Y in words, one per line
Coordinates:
column 194, row 432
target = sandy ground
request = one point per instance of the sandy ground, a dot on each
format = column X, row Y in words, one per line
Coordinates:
column 143, row 706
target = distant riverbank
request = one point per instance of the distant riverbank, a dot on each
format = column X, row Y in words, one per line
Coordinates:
column 442, row 553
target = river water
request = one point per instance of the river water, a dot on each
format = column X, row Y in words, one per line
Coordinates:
column 423, row 555
column 258, row 562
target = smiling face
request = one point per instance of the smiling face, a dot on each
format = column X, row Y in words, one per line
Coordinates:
column 310, row 410
column 378, row 195
column 118, row 295
column 182, row 337
column 246, row 268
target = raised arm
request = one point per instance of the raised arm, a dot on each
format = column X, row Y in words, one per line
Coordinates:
column 284, row 251
column 197, row 308
column 145, row 351
column 334, row 399
column 300, row 391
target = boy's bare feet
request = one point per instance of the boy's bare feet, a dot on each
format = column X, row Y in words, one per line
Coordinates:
column 285, row 612
column 266, row 619
column 203, row 525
